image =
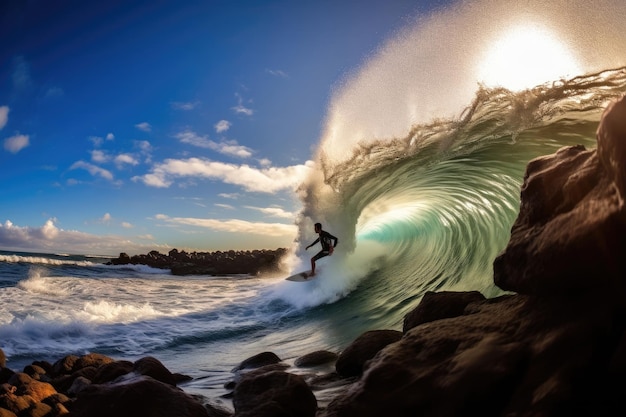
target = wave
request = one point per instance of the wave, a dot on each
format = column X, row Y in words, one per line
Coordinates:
column 432, row 209
column 424, row 147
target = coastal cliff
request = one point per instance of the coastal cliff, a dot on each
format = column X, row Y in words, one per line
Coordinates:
column 555, row 345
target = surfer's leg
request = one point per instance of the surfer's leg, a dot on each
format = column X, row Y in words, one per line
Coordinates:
column 319, row 255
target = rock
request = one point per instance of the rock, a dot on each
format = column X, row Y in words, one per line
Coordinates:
column 209, row 263
column 274, row 394
column 351, row 361
column 319, row 357
column 3, row 359
column 256, row 361
column 110, row 371
column 7, row 413
column 142, row 396
column 570, row 235
column 440, row 305
column 513, row 355
column 92, row 359
column 25, row 385
column 152, row 367
column 65, row 365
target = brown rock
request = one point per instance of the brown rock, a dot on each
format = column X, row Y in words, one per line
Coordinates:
column 513, row 355
column 25, row 385
column 351, row 361
column 440, row 305
column 570, row 235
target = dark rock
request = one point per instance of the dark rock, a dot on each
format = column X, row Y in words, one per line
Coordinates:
column 65, row 365
column 209, row 263
column 274, row 394
column 440, row 305
column 256, row 361
column 351, row 361
column 319, row 357
column 3, row 359
column 110, row 371
column 143, row 396
column 152, row 367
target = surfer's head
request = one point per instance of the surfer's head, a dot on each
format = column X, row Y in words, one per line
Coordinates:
column 318, row 227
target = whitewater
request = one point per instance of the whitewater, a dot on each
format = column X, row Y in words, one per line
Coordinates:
column 419, row 169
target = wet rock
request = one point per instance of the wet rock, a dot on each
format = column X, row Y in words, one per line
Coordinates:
column 440, row 305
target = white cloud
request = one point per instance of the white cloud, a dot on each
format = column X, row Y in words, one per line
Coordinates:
column 125, row 158
column 144, row 126
column 240, row 108
column 277, row 73
column 16, row 143
column 224, row 206
column 273, row 212
column 92, row 169
column 222, row 126
column 99, row 156
column 106, row 218
column 225, row 148
column 234, row 226
column 187, row 106
column 127, row 225
column 4, row 116
column 110, row 136
column 50, row 238
column 265, row 180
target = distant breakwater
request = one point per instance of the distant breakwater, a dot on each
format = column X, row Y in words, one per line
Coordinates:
column 263, row 261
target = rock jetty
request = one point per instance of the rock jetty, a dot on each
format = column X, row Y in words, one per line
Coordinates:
column 232, row 262
column 554, row 346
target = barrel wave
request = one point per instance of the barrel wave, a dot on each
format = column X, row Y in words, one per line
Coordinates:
column 432, row 210
column 423, row 189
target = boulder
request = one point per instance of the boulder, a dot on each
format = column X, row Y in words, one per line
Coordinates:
column 274, row 394
column 440, row 305
column 152, row 367
column 256, row 361
column 351, row 361
column 316, row 358
column 110, row 371
column 141, row 396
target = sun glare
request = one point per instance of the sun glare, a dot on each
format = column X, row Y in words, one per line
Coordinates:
column 524, row 57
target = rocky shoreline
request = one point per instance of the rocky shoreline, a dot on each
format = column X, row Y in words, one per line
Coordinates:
column 554, row 346
column 232, row 262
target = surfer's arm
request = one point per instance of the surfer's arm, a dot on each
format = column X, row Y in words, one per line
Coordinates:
column 316, row 240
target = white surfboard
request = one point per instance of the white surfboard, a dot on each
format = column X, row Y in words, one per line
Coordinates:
column 301, row 277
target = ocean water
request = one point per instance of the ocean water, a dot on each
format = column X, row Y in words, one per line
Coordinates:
column 422, row 197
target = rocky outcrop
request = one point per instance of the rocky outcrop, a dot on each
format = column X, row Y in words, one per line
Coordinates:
column 209, row 263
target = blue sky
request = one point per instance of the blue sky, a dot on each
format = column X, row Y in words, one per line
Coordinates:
column 128, row 126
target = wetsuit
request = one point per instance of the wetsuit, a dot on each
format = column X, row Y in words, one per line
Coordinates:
column 325, row 239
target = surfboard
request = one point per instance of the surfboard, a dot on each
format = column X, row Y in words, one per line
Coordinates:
column 301, row 277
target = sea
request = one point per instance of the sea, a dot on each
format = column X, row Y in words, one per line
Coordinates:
column 426, row 209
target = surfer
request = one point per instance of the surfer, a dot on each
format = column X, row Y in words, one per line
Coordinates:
column 328, row 246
